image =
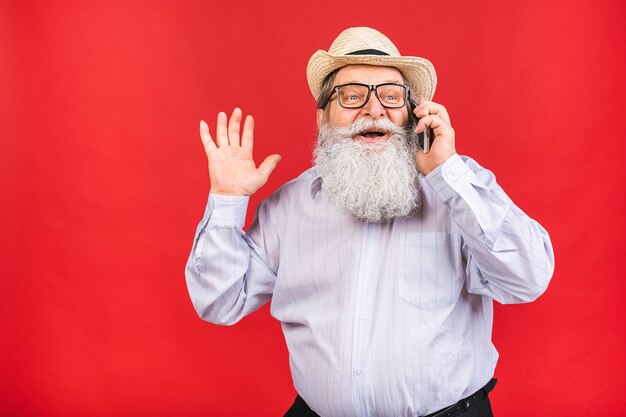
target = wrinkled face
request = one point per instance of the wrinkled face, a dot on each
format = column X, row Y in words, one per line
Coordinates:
column 336, row 116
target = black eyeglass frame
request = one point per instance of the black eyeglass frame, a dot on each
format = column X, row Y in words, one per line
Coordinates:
column 374, row 88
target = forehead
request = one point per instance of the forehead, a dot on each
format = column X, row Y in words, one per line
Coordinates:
column 367, row 74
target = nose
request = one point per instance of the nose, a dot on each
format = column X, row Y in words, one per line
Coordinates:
column 373, row 108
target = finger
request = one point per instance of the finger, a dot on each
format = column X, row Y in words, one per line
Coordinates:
column 222, row 137
column 268, row 165
column 205, row 137
column 428, row 107
column 441, row 111
column 421, row 161
column 423, row 109
column 247, row 137
column 437, row 126
column 234, row 126
column 418, row 106
column 433, row 121
column 423, row 123
column 443, row 133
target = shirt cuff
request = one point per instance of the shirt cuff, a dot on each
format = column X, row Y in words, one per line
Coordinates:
column 227, row 210
column 448, row 179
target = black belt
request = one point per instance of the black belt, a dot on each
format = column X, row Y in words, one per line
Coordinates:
column 301, row 408
column 465, row 403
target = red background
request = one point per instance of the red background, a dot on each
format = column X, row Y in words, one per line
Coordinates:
column 103, row 180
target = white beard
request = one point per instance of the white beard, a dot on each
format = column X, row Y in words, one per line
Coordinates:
column 374, row 182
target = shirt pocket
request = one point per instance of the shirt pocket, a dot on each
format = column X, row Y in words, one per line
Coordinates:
column 430, row 269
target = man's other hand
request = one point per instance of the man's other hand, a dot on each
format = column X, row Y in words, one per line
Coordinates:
column 231, row 168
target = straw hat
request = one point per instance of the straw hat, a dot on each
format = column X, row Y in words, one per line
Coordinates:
column 363, row 45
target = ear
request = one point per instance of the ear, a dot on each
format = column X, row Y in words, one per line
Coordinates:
column 320, row 117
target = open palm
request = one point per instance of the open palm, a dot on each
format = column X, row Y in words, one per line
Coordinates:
column 232, row 170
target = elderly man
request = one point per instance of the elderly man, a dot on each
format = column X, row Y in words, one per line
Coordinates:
column 381, row 262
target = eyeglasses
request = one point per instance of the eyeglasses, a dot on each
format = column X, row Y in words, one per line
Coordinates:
column 355, row 96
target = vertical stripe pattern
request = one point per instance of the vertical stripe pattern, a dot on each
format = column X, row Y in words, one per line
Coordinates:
column 389, row 319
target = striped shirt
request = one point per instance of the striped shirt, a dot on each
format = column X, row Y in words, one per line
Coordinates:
column 386, row 319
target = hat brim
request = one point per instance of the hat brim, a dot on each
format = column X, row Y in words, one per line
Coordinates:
column 418, row 72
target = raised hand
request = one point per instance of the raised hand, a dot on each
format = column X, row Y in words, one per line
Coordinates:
column 232, row 170
column 436, row 117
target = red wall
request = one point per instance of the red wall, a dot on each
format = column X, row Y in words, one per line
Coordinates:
column 103, row 180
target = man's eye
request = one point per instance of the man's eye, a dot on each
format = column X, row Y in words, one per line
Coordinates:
column 353, row 97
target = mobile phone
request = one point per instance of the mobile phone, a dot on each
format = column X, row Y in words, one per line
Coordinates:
column 425, row 139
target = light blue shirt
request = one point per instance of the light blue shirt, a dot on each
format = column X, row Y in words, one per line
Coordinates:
column 389, row 319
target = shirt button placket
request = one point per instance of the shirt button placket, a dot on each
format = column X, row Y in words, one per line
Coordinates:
column 359, row 362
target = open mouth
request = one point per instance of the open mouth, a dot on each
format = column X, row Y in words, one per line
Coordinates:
column 371, row 135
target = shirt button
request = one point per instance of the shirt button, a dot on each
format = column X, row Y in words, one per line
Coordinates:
column 363, row 317
column 366, row 264
column 358, row 372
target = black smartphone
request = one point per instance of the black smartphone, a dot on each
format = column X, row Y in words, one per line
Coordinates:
column 425, row 139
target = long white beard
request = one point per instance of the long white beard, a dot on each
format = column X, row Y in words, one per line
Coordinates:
column 374, row 182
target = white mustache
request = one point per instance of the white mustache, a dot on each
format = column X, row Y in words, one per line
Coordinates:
column 367, row 124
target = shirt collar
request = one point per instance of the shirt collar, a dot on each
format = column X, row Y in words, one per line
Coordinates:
column 316, row 185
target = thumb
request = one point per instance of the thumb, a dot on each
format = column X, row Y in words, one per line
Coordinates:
column 268, row 165
column 420, row 160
